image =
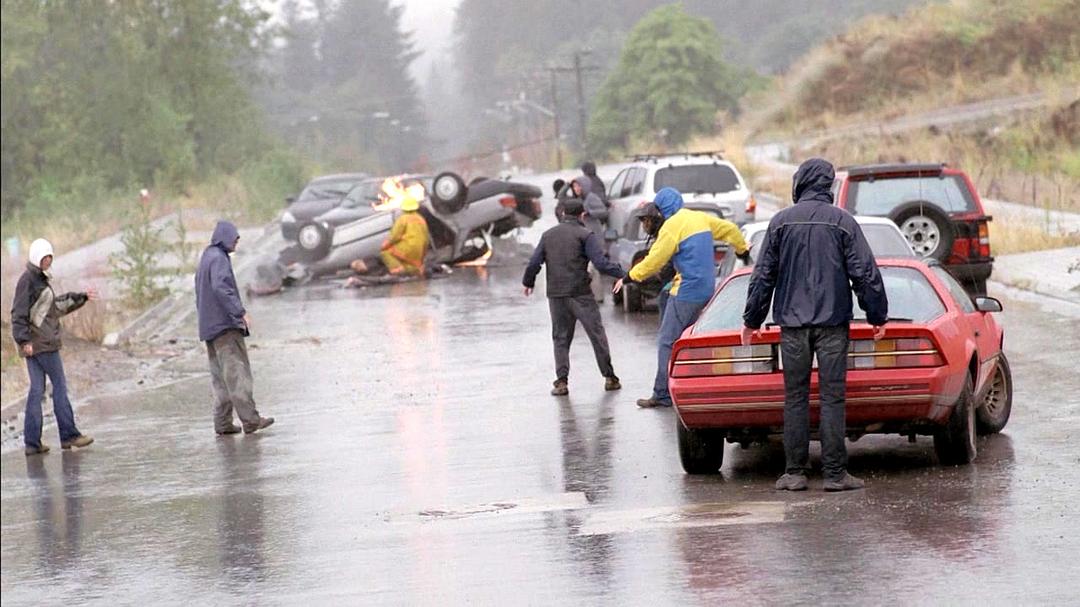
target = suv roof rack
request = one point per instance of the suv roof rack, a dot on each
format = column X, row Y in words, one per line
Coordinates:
column 865, row 170
column 658, row 155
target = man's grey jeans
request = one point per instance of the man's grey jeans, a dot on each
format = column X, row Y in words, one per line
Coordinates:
column 230, row 375
column 797, row 347
column 566, row 312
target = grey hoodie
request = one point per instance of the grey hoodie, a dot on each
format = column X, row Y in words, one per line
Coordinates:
column 216, row 297
column 596, row 212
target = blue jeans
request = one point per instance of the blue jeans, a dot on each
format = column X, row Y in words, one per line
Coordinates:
column 678, row 315
column 38, row 366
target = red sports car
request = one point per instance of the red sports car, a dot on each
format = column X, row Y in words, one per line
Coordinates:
column 940, row 370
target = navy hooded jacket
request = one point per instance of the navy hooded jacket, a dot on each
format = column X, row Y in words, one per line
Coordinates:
column 216, row 297
column 815, row 254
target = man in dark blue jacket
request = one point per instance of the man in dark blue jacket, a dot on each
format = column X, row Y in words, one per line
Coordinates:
column 814, row 255
column 566, row 250
column 223, row 325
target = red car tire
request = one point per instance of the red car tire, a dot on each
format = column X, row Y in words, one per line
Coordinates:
column 955, row 442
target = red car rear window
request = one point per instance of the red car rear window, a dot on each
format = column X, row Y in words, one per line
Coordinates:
column 910, row 294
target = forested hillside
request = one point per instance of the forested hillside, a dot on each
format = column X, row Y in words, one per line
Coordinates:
column 103, row 97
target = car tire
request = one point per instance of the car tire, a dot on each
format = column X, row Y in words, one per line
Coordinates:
column 996, row 406
column 955, row 442
column 314, row 241
column 632, row 299
column 617, row 298
column 448, row 193
column 927, row 228
column 700, row 451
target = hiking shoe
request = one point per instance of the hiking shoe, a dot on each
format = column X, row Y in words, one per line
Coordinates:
column 560, row 389
column 79, row 441
column 40, row 450
column 845, row 483
column 612, row 383
column 230, row 429
column 791, row 482
column 264, row 422
column 650, row 403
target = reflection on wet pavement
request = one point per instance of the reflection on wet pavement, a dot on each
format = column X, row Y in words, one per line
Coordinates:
column 418, row 459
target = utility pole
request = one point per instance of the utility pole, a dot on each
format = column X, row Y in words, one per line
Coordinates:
column 555, row 117
column 579, row 70
column 582, row 118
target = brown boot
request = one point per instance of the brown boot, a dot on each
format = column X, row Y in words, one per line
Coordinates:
column 230, row 429
column 264, row 422
column 612, row 383
column 39, row 450
column 79, row 441
column 561, row 388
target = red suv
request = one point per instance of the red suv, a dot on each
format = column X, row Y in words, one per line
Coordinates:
column 936, row 208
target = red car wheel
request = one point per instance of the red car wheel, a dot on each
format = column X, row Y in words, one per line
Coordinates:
column 995, row 408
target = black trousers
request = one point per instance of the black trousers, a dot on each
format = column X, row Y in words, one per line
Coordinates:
column 566, row 312
column 798, row 347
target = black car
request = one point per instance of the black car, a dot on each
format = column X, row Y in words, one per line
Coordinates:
column 318, row 196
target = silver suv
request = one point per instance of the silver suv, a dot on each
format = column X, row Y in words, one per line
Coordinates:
column 703, row 178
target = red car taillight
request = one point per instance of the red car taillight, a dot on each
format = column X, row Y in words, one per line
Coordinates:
column 719, row 253
column 508, row 201
column 724, row 360
column 893, row 353
column 984, row 239
column 751, row 205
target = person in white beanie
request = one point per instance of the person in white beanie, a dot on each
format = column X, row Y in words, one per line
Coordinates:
column 35, row 325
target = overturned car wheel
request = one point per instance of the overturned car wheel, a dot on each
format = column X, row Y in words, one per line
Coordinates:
column 314, row 241
column 448, row 193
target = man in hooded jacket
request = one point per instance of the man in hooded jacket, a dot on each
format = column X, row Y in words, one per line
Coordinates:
column 595, row 219
column 814, row 255
column 687, row 239
column 223, row 325
column 35, row 325
column 589, row 169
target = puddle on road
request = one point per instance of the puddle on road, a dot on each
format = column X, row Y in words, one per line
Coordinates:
column 604, row 522
column 683, row 517
column 528, row 505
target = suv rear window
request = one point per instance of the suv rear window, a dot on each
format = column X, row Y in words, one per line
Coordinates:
column 880, row 196
column 910, row 296
column 697, row 178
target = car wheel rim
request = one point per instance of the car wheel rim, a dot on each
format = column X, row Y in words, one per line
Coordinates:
column 922, row 234
column 447, row 188
column 994, row 402
column 309, row 237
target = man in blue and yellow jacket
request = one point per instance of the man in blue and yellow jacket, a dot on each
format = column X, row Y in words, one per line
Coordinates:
column 686, row 239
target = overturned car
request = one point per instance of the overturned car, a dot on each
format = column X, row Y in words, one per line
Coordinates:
column 462, row 221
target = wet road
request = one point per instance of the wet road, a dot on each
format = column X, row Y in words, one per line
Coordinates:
column 418, row 459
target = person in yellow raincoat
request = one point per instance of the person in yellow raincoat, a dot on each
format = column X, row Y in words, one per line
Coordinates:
column 403, row 251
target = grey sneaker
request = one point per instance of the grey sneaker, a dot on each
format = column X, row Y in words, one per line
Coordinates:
column 845, row 483
column 560, row 389
column 264, row 422
column 230, row 429
column 79, row 441
column 792, row 482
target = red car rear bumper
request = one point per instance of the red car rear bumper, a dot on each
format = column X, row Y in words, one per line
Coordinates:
column 888, row 397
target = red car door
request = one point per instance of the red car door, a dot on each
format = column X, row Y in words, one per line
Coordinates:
column 983, row 332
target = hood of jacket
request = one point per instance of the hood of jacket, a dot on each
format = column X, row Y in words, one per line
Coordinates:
column 813, row 181
column 39, row 249
column 586, row 185
column 225, row 236
column 669, row 201
column 589, row 168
